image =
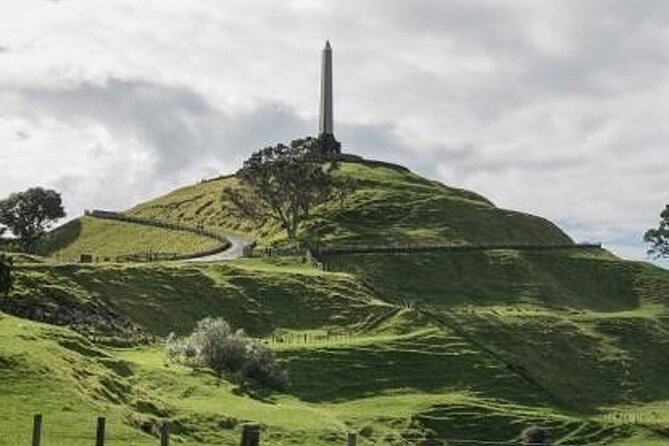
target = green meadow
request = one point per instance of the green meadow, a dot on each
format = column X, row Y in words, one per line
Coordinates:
column 469, row 345
column 108, row 239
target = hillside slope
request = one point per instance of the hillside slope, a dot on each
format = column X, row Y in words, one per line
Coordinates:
column 388, row 205
column 471, row 346
column 111, row 239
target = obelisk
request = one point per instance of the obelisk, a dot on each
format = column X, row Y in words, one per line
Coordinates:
column 326, row 123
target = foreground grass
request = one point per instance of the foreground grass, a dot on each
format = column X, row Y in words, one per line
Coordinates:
column 375, row 350
column 50, row 370
column 71, row 381
column 108, row 239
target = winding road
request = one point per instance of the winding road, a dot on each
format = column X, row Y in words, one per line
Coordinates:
column 235, row 251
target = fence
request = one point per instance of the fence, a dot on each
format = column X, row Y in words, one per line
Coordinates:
column 409, row 248
column 156, row 256
column 275, row 251
column 46, row 431
column 100, row 433
column 312, row 339
column 331, row 258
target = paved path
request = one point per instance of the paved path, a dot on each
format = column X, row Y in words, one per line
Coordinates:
column 237, row 242
column 235, row 251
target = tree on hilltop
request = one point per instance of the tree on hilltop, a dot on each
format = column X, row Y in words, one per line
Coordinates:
column 659, row 237
column 284, row 183
column 31, row 213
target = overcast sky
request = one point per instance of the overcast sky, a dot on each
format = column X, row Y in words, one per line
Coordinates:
column 558, row 108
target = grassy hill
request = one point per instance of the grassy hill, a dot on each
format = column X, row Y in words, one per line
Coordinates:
column 378, row 348
column 111, row 239
column 468, row 345
column 388, row 205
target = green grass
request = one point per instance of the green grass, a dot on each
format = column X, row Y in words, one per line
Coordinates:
column 388, row 205
column 50, row 370
column 558, row 279
column 588, row 330
column 71, row 381
column 165, row 297
column 110, row 239
column 388, row 353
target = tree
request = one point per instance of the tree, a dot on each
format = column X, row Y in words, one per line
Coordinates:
column 284, row 183
column 659, row 238
column 31, row 213
column 5, row 274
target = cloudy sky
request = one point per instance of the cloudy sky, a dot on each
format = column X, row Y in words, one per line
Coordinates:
column 554, row 108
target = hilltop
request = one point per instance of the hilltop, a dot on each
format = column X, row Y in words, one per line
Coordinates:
column 471, row 345
column 390, row 204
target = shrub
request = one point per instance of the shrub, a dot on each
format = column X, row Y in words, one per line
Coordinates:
column 216, row 345
column 535, row 435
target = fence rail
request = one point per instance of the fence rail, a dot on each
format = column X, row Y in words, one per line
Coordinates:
column 101, row 431
column 332, row 258
column 447, row 246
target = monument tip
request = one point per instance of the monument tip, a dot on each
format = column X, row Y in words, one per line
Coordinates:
column 327, row 45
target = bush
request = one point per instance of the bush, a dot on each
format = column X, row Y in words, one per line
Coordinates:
column 535, row 435
column 5, row 274
column 216, row 345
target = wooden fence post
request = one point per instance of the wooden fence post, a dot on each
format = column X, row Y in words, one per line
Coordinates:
column 164, row 434
column 37, row 429
column 352, row 439
column 250, row 435
column 100, row 433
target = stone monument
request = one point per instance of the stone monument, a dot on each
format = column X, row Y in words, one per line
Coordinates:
column 326, row 122
column 326, row 126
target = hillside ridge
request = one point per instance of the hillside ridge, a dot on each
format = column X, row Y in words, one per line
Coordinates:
column 389, row 204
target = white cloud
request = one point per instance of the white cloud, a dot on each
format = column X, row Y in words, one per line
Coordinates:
column 555, row 108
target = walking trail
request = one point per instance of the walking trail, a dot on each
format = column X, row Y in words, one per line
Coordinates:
column 235, row 251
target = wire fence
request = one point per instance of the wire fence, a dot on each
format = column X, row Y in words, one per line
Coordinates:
column 59, row 431
column 444, row 246
column 333, row 258
column 309, row 338
column 102, row 431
